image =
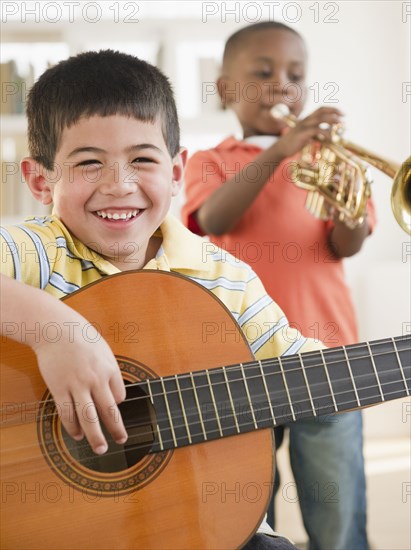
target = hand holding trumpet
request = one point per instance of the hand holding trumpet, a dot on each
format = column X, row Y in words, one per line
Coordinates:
column 318, row 125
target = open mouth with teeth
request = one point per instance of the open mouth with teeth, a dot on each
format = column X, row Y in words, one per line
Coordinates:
column 123, row 216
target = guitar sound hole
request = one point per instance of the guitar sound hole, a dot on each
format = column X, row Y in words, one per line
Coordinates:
column 138, row 417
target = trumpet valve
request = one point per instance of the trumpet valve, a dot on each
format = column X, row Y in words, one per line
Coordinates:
column 337, row 131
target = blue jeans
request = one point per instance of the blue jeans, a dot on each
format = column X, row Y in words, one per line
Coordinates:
column 328, row 466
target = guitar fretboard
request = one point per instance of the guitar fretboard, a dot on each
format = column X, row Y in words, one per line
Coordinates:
column 205, row 405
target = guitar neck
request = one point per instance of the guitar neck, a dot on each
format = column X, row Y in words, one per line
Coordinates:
column 210, row 404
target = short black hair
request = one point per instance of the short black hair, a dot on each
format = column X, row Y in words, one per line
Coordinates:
column 236, row 40
column 100, row 83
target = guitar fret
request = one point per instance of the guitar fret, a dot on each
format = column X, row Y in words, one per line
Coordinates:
column 400, row 365
column 308, row 387
column 351, row 376
column 329, row 381
column 183, row 409
column 386, row 363
column 222, row 403
column 214, row 403
column 375, row 371
column 363, row 374
column 190, row 408
column 267, row 394
column 198, row 406
column 160, row 439
column 168, row 411
column 231, row 400
column 248, row 396
column 189, row 419
column 286, row 388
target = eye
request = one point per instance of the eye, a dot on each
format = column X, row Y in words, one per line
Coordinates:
column 143, row 160
column 296, row 77
column 89, row 162
column 263, row 73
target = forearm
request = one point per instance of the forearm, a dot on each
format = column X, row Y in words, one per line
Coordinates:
column 222, row 210
column 81, row 373
column 26, row 310
column 345, row 242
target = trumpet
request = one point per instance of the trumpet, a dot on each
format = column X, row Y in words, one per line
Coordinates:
column 339, row 182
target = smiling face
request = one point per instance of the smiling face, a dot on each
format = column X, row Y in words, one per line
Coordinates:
column 112, row 185
column 267, row 68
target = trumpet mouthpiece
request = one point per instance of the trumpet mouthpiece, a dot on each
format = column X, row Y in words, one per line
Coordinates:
column 280, row 111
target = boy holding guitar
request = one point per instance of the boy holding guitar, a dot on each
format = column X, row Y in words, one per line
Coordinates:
column 104, row 144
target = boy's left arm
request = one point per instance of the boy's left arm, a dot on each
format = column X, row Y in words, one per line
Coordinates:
column 345, row 242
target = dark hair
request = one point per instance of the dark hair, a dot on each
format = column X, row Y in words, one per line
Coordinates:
column 100, row 83
column 236, row 40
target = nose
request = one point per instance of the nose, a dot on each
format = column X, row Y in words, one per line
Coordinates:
column 275, row 87
column 281, row 78
column 281, row 89
column 119, row 180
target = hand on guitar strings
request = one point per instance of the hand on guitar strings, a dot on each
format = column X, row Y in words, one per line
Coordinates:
column 85, row 380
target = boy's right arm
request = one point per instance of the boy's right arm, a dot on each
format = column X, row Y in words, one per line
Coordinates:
column 224, row 208
column 83, row 376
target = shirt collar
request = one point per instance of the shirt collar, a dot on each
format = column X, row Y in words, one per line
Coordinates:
column 264, row 142
column 180, row 249
column 252, row 142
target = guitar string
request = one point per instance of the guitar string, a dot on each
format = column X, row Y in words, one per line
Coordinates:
column 280, row 393
column 113, row 453
column 284, row 417
column 296, row 389
column 267, row 376
column 289, row 359
column 266, row 362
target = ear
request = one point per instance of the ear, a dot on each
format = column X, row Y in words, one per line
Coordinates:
column 34, row 174
column 223, row 83
column 179, row 163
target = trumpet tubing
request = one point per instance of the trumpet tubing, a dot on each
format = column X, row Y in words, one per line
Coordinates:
column 337, row 177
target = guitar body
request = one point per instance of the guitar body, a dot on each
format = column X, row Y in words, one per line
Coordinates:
column 211, row 495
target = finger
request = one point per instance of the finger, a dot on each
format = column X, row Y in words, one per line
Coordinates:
column 314, row 132
column 323, row 133
column 110, row 415
column 325, row 111
column 323, row 117
column 118, row 387
column 68, row 416
column 90, row 423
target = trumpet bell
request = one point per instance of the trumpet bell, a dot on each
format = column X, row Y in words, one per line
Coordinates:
column 401, row 196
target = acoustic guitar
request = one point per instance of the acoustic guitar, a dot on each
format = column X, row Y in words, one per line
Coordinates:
column 197, row 470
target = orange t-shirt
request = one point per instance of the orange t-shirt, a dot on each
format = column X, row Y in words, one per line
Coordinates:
column 284, row 244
